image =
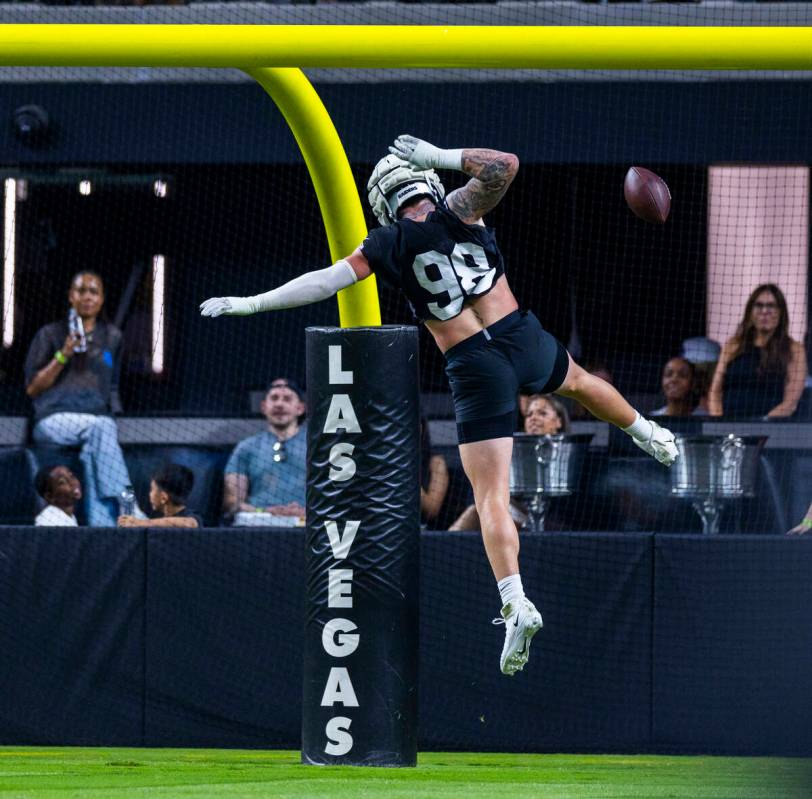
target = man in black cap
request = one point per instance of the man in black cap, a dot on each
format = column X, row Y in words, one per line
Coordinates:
column 266, row 473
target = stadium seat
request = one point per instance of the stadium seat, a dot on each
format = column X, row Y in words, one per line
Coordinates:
column 803, row 413
column 766, row 512
column 639, row 490
column 18, row 499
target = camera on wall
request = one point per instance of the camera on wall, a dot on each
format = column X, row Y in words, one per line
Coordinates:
column 31, row 125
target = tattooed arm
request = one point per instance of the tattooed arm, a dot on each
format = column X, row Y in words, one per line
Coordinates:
column 491, row 173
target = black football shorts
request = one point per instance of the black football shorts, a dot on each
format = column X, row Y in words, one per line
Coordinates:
column 487, row 370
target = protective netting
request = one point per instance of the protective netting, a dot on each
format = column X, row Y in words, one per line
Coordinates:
column 176, row 185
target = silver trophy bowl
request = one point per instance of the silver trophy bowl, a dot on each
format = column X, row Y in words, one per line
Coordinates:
column 544, row 467
column 714, row 469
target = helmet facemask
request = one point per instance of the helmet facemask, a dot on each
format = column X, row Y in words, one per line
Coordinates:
column 395, row 182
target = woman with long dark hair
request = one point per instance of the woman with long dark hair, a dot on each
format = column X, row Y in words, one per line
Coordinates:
column 761, row 370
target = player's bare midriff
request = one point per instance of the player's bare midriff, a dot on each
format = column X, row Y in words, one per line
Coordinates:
column 477, row 314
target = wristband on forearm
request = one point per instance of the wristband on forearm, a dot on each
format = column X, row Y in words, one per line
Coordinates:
column 60, row 357
column 448, row 159
column 806, row 524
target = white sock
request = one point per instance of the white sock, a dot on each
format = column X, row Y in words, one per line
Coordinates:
column 510, row 589
column 640, row 428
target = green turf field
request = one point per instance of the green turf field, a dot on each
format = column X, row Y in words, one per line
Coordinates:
column 118, row 773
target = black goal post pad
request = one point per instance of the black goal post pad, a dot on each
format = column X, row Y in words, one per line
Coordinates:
column 362, row 556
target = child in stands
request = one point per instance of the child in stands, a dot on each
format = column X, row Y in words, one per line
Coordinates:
column 168, row 492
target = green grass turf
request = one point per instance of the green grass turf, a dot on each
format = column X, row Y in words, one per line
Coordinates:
column 209, row 774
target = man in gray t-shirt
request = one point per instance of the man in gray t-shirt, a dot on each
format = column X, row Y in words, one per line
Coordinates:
column 267, row 472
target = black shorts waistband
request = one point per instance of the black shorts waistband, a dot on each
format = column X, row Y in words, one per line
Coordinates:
column 485, row 335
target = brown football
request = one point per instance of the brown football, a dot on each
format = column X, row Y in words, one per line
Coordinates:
column 647, row 195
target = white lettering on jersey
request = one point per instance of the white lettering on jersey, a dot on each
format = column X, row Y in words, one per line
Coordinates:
column 464, row 273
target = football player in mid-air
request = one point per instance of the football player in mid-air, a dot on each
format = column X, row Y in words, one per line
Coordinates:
column 439, row 253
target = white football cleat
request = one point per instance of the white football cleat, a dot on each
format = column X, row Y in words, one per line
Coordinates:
column 661, row 444
column 521, row 622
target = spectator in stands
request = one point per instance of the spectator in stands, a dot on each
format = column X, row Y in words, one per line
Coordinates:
column 433, row 477
column 804, row 526
column 266, row 473
column 169, row 491
column 703, row 353
column 70, row 375
column 546, row 415
column 61, row 490
column 761, row 370
column 680, row 390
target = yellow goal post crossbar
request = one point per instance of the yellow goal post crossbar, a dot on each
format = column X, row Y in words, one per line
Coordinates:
column 464, row 46
column 275, row 54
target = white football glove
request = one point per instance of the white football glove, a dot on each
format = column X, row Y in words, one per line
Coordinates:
column 303, row 290
column 423, row 155
column 230, row 306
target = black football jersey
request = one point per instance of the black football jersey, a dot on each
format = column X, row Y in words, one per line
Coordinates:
column 437, row 263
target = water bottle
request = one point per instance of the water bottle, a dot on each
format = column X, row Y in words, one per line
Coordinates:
column 77, row 330
column 126, row 502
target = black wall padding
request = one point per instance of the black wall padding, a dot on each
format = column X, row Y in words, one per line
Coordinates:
column 224, row 638
column 589, row 675
column 373, row 483
column 72, row 636
column 666, row 643
column 733, row 644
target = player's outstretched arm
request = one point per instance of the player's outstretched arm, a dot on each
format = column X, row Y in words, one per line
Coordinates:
column 491, row 173
column 303, row 290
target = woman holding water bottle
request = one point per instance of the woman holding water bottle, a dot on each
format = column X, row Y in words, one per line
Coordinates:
column 70, row 375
